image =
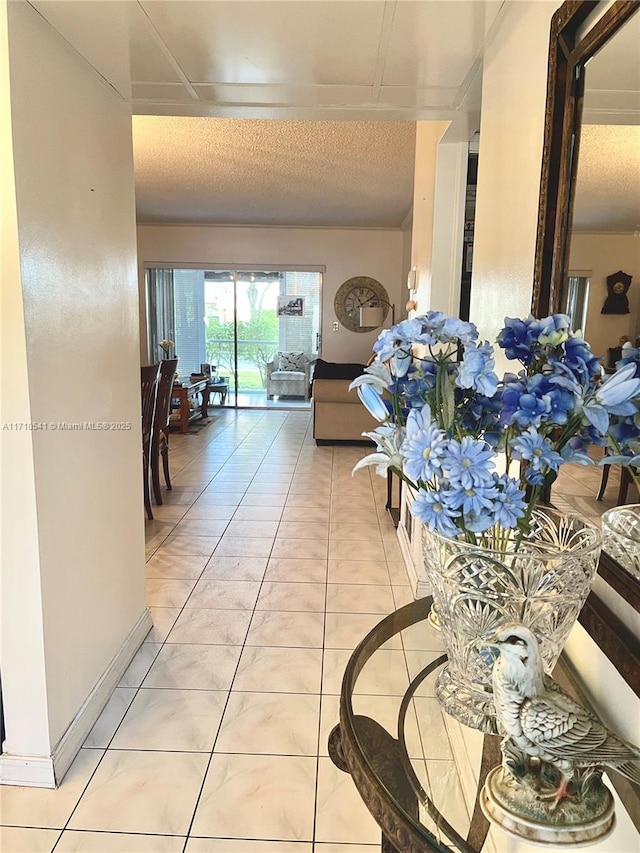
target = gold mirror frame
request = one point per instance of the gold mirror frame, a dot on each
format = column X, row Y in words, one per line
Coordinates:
column 569, row 51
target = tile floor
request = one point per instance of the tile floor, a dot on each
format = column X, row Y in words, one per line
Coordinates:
column 266, row 565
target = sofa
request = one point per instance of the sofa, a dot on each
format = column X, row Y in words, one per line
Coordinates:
column 338, row 414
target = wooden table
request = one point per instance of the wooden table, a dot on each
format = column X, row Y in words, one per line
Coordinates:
column 184, row 398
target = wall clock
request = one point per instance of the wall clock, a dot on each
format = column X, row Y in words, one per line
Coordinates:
column 352, row 295
column 617, row 285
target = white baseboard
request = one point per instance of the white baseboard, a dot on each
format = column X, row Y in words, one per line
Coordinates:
column 48, row 771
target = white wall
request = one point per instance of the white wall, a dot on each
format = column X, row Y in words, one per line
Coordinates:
column 602, row 255
column 80, row 563
column 343, row 252
column 509, row 162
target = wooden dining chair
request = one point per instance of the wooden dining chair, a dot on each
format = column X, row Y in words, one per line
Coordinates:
column 149, row 388
column 625, row 482
column 160, row 436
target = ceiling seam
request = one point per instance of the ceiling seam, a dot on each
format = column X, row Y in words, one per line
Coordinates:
column 383, row 46
column 169, row 56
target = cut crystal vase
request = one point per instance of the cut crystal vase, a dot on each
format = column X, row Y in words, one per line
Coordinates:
column 621, row 536
column 541, row 581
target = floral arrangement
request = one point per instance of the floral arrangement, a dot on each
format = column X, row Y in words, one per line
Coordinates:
column 447, row 419
column 165, row 346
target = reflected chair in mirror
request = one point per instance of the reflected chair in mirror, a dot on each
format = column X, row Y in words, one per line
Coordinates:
column 160, row 435
column 625, row 482
column 149, row 388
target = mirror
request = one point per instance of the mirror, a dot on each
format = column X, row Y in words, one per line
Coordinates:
column 593, row 104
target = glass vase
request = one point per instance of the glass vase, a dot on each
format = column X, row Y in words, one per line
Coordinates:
column 621, row 536
column 541, row 581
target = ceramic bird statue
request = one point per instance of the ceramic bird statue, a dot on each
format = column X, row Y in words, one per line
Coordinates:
column 543, row 722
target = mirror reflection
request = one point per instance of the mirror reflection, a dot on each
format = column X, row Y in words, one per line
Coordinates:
column 604, row 249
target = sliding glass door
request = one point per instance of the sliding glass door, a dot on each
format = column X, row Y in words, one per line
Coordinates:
column 239, row 321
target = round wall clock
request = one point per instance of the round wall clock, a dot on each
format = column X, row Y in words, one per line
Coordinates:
column 353, row 295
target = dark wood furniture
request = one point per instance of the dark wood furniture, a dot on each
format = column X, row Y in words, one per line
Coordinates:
column 160, row 436
column 184, row 397
column 149, row 389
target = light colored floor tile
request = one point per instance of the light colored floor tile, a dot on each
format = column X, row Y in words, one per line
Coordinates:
column 168, row 513
column 354, row 532
column 347, row 848
column 148, row 792
column 346, row 550
column 166, row 592
column 307, row 514
column 359, row 598
column 257, row 513
column 163, row 619
column 345, row 630
column 47, row 808
column 270, row 723
column 398, row 573
column 183, row 720
column 383, row 675
column 194, row 667
column 180, row 546
column 259, row 499
column 235, row 568
column 402, row 595
column 435, row 740
column 252, row 528
column 278, row 595
column 309, row 549
column 230, row 845
column 212, row 512
column 341, row 815
column 201, row 527
column 296, row 570
column 140, row 665
column 184, row 567
column 280, row 790
column 279, row 670
column 110, row 718
column 447, row 794
column 218, row 495
column 423, row 637
column 312, row 501
column 303, row 530
column 224, row 595
column 240, row 546
column 286, row 628
column 217, row 627
column 115, row 842
column 350, row 571
column 16, row 839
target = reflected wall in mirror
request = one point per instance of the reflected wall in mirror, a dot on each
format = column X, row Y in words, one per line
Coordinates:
column 588, row 217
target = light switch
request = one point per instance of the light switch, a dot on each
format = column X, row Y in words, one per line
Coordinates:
column 335, row 326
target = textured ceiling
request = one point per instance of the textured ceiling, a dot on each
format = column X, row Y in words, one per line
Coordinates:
column 608, row 182
column 272, row 172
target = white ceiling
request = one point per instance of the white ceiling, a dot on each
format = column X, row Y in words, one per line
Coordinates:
column 274, row 172
column 326, row 92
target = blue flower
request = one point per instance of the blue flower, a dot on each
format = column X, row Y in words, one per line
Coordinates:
column 373, row 402
column 580, row 358
column 469, row 462
column 538, row 452
column 517, row 337
column 509, row 505
column 531, row 410
column 613, row 397
column 431, row 509
column 424, row 446
column 476, row 369
column 554, row 330
column 472, row 500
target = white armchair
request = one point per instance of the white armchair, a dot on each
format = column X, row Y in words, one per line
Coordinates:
column 288, row 375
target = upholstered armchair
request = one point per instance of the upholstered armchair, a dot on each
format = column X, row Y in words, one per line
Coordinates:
column 288, row 375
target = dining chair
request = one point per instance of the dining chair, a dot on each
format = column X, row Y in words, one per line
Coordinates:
column 160, row 435
column 625, row 482
column 149, row 389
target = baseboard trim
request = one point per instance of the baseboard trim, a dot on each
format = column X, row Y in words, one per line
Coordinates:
column 27, row 771
column 48, row 772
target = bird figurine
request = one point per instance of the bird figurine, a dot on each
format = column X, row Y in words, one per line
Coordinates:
column 542, row 722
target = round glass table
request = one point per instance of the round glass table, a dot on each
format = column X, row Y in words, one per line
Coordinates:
column 394, row 741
